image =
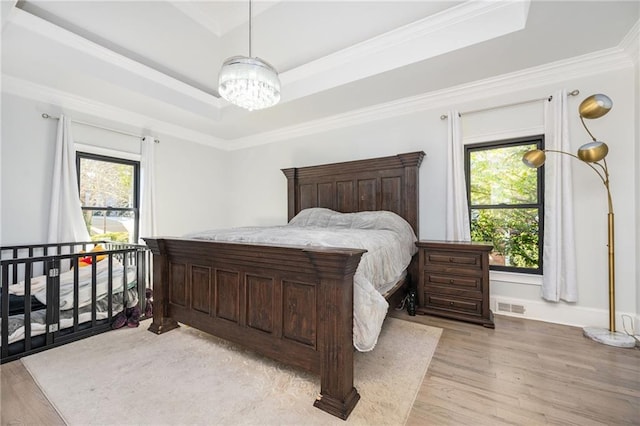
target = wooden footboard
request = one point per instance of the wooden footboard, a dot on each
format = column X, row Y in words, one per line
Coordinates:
column 292, row 304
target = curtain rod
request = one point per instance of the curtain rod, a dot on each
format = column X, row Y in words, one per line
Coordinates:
column 45, row 115
column 572, row 93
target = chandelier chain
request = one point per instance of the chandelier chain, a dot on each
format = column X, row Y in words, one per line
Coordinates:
column 249, row 82
column 250, row 28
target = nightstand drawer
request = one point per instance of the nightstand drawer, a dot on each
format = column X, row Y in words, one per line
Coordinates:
column 450, row 281
column 453, row 280
column 453, row 259
column 436, row 301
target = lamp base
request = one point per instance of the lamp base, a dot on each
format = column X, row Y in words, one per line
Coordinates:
column 611, row 338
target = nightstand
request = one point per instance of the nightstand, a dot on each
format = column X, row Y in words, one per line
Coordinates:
column 453, row 280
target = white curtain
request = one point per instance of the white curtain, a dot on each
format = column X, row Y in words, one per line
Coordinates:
column 66, row 223
column 147, row 190
column 457, row 211
column 559, row 258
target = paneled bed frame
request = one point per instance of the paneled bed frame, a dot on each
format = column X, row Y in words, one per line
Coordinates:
column 290, row 303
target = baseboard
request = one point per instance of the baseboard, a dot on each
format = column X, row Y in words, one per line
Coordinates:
column 559, row 313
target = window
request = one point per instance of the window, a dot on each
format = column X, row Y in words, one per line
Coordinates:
column 506, row 203
column 109, row 195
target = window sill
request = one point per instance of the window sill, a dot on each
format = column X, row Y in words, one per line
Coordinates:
column 513, row 277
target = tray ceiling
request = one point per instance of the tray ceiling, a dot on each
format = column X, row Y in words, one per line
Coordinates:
column 154, row 65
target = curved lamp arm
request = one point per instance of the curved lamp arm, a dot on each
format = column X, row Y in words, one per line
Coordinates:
column 585, row 127
column 603, row 175
column 593, row 154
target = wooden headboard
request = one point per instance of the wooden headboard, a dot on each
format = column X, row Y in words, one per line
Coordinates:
column 385, row 183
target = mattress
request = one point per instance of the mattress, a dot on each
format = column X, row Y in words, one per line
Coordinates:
column 388, row 239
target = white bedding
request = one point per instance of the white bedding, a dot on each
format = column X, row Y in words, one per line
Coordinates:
column 39, row 291
column 388, row 239
column 39, row 284
column 39, row 320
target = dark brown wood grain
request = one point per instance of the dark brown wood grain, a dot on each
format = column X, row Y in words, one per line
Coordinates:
column 454, row 280
column 291, row 303
column 386, row 183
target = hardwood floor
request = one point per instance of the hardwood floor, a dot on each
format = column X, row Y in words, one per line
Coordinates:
column 523, row 372
column 22, row 402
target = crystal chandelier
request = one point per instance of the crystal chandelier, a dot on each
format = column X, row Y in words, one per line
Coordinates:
column 248, row 82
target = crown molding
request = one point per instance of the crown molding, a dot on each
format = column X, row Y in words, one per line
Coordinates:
column 60, row 35
column 305, row 79
column 531, row 78
column 631, row 43
column 79, row 105
column 426, row 38
column 460, row 14
column 553, row 73
column 7, row 9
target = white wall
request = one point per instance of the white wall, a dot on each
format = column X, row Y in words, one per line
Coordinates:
column 28, row 142
column 636, row 120
column 190, row 177
column 262, row 201
column 192, row 187
column 200, row 187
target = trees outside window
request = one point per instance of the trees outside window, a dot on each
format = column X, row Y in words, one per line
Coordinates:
column 109, row 195
column 506, row 203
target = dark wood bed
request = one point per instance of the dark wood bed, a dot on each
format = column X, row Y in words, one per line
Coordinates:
column 293, row 304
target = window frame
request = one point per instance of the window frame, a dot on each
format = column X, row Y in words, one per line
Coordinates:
column 136, row 188
column 538, row 140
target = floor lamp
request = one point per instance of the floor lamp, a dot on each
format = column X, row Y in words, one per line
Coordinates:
column 593, row 155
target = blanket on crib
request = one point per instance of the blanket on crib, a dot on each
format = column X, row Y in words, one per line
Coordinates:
column 118, row 272
column 39, row 318
column 17, row 304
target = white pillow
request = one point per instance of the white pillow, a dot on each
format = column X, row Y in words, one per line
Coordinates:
column 316, row 216
column 380, row 220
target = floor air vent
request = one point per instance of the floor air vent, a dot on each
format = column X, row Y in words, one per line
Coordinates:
column 508, row 307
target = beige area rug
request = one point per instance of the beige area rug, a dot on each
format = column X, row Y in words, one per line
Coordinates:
column 184, row 377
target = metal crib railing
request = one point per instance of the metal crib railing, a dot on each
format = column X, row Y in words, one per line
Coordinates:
column 25, row 262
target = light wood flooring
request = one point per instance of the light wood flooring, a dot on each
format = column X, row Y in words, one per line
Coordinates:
column 523, row 372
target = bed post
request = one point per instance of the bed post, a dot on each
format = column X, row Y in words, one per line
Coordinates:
column 161, row 320
column 335, row 269
column 291, row 192
column 411, row 163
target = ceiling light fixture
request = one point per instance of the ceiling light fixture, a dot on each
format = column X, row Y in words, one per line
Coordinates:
column 248, row 82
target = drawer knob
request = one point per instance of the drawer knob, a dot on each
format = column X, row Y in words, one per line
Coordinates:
column 451, row 259
column 450, row 281
column 451, row 303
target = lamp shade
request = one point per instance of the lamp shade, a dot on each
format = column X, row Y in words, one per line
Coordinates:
column 249, row 83
column 595, row 106
column 534, row 158
column 592, row 152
